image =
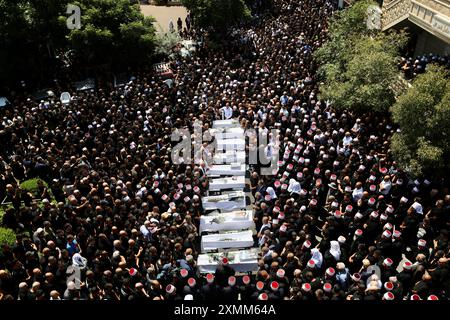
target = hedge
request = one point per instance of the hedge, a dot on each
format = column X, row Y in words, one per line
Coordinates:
column 7, row 236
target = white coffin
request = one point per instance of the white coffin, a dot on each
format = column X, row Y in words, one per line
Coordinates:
column 241, row 239
column 226, row 123
column 240, row 260
column 228, row 133
column 236, row 169
column 230, row 156
column 235, row 182
column 230, row 144
column 225, row 202
column 235, row 220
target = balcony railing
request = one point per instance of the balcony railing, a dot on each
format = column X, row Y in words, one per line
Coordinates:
column 431, row 15
column 395, row 11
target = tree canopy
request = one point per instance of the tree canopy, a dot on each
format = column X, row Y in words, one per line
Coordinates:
column 423, row 114
column 112, row 31
column 33, row 34
column 29, row 33
column 358, row 64
column 217, row 14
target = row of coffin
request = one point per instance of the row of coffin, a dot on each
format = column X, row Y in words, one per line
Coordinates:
column 227, row 227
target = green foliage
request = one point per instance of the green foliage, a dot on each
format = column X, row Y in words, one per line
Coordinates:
column 423, row 114
column 358, row 64
column 112, row 31
column 34, row 32
column 31, row 185
column 361, row 81
column 7, row 236
column 30, row 32
column 352, row 20
column 217, row 14
column 345, row 26
column 166, row 43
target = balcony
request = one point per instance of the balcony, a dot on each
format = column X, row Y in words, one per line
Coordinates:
column 431, row 15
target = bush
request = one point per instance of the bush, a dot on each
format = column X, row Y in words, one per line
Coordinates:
column 31, row 185
column 7, row 236
column 217, row 14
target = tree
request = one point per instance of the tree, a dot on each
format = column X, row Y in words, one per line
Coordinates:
column 29, row 33
column 33, row 33
column 423, row 114
column 345, row 26
column 166, row 42
column 112, row 32
column 358, row 64
column 362, row 80
column 217, row 14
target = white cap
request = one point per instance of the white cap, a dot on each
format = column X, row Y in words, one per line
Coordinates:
column 417, row 207
column 71, row 285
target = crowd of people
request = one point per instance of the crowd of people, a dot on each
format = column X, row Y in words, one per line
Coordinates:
column 411, row 67
column 115, row 219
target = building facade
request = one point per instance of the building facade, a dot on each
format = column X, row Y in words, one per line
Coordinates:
column 428, row 20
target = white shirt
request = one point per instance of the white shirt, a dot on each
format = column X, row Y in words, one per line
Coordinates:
column 347, row 141
column 227, row 112
column 145, row 232
column 357, row 194
column 385, row 187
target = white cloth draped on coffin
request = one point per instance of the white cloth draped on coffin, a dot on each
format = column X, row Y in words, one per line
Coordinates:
column 235, row 220
column 235, row 182
column 227, row 170
column 243, row 239
column 227, row 202
column 240, row 260
column 230, row 156
column 229, row 123
column 230, row 144
column 228, row 133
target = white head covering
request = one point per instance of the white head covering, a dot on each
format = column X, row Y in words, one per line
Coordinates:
column 271, row 192
column 294, row 186
column 335, row 250
column 418, row 207
column 317, row 257
column 79, row 261
column 376, row 279
column 375, row 274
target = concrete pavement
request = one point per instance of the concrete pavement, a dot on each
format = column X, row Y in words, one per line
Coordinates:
column 163, row 15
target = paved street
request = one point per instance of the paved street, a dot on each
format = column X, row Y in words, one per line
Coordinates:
column 164, row 14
